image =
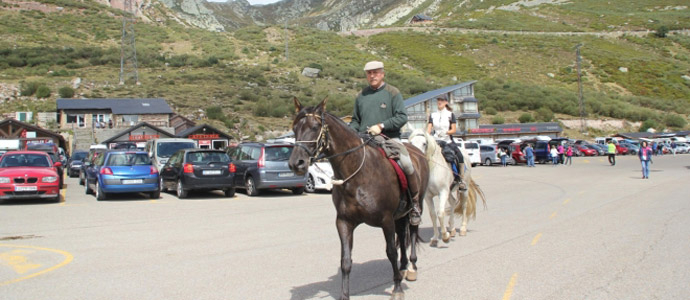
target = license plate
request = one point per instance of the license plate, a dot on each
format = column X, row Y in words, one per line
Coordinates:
column 25, row 188
column 212, row 172
column 288, row 174
column 132, row 181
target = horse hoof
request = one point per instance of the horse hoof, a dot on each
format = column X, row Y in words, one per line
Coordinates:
column 434, row 243
column 446, row 237
column 463, row 232
column 453, row 233
column 411, row 275
column 398, row 296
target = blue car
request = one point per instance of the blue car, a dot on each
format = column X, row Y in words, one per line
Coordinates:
column 121, row 171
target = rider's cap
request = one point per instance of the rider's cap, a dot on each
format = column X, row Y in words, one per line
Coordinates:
column 373, row 65
column 442, row 97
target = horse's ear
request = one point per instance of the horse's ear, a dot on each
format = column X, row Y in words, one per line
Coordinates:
column 322, row 105
column 298, row 105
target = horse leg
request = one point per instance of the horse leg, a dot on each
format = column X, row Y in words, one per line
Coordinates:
column 345, row 230
column 401, row 232
column 392, row 253
column 441, row 213
column 411, row 274
column 432, row 214
column 463, row 201
column 452, row 202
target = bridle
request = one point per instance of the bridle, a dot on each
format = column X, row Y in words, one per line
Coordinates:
column 322, row 143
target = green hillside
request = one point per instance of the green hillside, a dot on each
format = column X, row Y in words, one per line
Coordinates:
column 244, row 77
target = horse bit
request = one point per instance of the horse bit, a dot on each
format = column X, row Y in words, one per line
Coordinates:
column 322, row 142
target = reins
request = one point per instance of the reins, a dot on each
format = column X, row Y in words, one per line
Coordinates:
column 323, row 142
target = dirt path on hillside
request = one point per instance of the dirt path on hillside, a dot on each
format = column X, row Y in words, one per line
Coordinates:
column 612, row 34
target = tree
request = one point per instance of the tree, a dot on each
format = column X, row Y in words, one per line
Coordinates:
column 662, row 31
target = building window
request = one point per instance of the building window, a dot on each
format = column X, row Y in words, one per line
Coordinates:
column 130, row 119
column 470, row 107
column 76, row 119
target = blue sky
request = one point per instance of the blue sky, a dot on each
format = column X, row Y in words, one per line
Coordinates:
column 252, row 2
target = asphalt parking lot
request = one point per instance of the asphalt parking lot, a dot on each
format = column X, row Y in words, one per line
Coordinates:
column 586, row 231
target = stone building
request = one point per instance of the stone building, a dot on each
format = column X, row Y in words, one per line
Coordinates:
column 112, row 113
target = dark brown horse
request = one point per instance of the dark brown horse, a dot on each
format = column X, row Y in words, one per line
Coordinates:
column 366, row 189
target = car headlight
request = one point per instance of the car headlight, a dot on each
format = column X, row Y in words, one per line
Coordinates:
column 4, row 180
column 49, row 179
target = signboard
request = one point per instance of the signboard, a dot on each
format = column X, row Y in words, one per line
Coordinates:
column 143, row 137
column 205, row 143
column 203, row 136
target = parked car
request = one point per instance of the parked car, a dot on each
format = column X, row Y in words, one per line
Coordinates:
column 586, row 151
column 515, row 150
column 265, row 166
column 29, row 174
column 489, row 155
column 75, row 161
column 682, row 148
column 160, row 150
column 600, row 148
column 198, row 169
column 320, row 174
column 632, row 148
column 119, row 171
column 472, row 149
column 52, row 151
column 94, row 153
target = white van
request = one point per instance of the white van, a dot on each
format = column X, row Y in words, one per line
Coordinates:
column 161, row 149
column 472, row 149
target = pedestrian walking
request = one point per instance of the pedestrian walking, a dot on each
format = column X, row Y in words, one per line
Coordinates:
column 612, row 153
column 673, row 147
column 569, row 155
column 645, row 155
column 561, row 153
column 554, row 155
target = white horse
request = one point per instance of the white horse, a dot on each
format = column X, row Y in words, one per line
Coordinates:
column 439, row 197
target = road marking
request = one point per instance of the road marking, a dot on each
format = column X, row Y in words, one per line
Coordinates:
column 553, row 215
column 536, row 239
column 586, row 161
column 67, row 260
column 16, row 260
column 63, row 192
column 566, row 201
column 509, row 289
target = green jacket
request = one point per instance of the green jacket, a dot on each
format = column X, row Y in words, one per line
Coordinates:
column 384, row 105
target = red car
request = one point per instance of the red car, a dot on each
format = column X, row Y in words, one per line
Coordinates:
column 29, row 174
column 586, row 150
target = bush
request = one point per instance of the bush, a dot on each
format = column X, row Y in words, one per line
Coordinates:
column 544, row 114
column 66, row 92
column 673, row 120
column 214, row 113
column 498, row 120
column 28, row 88
column 648, row 124
column 42, row 92
column 315, row 66
column 661, row 32
column 526, row 118
column 490, row 111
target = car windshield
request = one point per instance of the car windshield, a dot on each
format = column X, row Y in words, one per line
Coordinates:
column 205, row 157
column 167, row 149
column 24, row 160
column 128, row 159
column 79, row 156
column 280, row 153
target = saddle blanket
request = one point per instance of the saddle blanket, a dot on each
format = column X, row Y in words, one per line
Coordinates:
column 402, row 179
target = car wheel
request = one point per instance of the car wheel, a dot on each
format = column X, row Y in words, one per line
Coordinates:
column 298, row 191
column 161, row 186
column 487, row 162
column 57, row 198
column 87, row 190
column 100, row 195
column 251, row 187
column 310, row 187
column 230, row 192
column 155, row 195
column 181, row 193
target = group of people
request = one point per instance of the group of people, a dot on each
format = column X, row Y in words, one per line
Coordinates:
column 558, row 152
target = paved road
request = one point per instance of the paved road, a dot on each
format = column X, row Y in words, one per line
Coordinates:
column 587, row 231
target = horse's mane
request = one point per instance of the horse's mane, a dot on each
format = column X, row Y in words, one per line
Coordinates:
column 326, row 114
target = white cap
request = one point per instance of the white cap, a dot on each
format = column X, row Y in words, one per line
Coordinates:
column 373, row 65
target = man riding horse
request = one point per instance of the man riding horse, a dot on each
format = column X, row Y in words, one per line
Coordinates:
column 379, row 109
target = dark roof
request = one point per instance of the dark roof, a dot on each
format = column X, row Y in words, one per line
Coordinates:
column 119, row 106
column 431, row 94
column 185, row 133
column 635, row 135
column 126, row 131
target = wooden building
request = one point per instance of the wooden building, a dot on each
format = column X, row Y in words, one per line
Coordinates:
column 112, row 113
column 138, row 134
column 27, row 133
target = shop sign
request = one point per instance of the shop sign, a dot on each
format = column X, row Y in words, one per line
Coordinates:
column 203, row 136
column 143, row 137
column 205, row 143
column 482, row 130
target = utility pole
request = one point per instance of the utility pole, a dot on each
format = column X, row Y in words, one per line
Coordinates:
column 578, row 59
column 128, row 51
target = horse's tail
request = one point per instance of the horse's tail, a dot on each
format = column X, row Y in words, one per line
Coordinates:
column 473, row 190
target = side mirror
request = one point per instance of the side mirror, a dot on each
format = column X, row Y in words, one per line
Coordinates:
column 57, row 164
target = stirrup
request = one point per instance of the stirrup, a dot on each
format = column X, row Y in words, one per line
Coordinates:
column 415, row 217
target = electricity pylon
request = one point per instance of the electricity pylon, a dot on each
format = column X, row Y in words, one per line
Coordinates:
column 128, row 51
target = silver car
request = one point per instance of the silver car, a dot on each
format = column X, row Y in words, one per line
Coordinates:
column 489, row 155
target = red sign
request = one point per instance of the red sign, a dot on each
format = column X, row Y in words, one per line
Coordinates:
column 143, row 137
column 203, row 136
column 511, row 129
column 204, row 143
column 482, row 130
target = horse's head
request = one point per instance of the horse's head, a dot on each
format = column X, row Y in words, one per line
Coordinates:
column 310, row 135
column 419, row 139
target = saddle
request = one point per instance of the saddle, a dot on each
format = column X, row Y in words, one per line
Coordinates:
column 405, row 204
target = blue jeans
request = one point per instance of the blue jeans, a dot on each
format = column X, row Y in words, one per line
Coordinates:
column 503, row 160
column 530, row 161
column 645, row 168
column 555, row 160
